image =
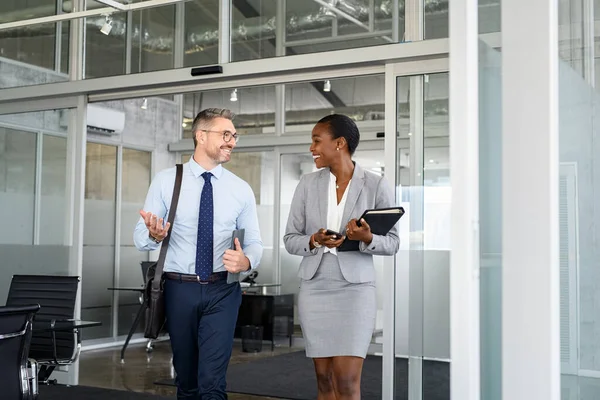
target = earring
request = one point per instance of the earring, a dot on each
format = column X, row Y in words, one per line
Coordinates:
column 337, row 148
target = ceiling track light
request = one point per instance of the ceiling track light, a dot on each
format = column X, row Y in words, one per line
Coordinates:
column 234, row 96
column 327, row 86
column 106, row 28
column 144, row 105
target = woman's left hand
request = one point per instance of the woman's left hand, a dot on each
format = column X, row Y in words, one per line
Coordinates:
column 362, row 232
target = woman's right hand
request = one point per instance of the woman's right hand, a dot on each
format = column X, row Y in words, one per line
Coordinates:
column 326, row 240
column 155, row 225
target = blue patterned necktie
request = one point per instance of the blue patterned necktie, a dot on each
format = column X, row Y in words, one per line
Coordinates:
column 204, row 245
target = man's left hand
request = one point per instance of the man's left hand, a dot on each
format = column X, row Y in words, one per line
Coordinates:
column 235, row 260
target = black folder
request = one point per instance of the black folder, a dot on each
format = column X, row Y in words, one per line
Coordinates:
column 381, row 220
column 238, row 233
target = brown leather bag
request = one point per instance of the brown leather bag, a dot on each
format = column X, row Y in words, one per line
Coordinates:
column 155, row 282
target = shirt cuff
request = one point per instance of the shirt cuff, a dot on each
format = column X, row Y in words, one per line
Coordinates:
column 151, row 244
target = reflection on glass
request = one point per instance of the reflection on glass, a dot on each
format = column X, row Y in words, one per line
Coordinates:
column 105, row 53
column 201, row 46
column 254, row 108
column 436, row 18
column 99, row 238
column 313, row 27
column 17, row 185
column 135, row 183
column 253, row 29
column 360, row 98
column 152, row 37
column 53, row 204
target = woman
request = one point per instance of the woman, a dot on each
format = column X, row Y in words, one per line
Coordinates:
column 337, row 300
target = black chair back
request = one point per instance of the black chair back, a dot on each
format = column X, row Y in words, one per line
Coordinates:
column 15, row 337
column 56, row 295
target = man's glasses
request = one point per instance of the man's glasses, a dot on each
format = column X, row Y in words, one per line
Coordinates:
column 227, row 135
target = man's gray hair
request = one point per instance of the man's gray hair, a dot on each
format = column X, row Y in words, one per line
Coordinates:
column 205, row 117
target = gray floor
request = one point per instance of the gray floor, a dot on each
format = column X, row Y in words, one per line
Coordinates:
column 103, row 368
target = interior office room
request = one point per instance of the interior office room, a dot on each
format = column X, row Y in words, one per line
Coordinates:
column 494, row 291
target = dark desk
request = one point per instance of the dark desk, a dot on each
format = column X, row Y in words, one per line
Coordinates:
column 274, row 312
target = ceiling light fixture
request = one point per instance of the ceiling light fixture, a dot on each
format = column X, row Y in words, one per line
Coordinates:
column 233, row 95
column 144, row 104
column 327, row 86
column 106, row 28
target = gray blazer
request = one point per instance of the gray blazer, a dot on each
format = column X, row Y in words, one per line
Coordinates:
column 308, row 214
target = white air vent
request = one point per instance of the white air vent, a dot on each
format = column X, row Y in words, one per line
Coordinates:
column 105, row 121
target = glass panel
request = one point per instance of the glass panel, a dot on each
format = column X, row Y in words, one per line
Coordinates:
column 253, row 29
column 361, row 98
column 423, row 262
column 201, row 33
column 152, row 39
column 437, row 194
column 254, row 108
column 436, row 18
column 17, row 185
column 490, row 211
column 257, row 168
column 135, row 177
column 105, row 53
column 28, row 54
column 312, row 27
column 579, row 185
column 53, row 204
column 33, row 184
column 99, row 238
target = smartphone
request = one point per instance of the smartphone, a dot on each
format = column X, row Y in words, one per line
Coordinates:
column 335, row 234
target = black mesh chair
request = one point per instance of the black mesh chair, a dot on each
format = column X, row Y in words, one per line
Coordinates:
column 56, row 296
column 18, row 377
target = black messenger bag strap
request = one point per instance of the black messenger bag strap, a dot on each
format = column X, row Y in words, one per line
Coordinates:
column 165, row 245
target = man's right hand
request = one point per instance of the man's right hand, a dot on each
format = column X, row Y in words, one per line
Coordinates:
column 155, row 225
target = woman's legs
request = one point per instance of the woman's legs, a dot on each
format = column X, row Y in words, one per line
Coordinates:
column 347, row 371
column 324, row 372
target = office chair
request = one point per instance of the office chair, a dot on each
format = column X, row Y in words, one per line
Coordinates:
column 56, row 296
column 18, row 375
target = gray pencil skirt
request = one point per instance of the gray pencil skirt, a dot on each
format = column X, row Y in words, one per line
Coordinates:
column 337, row 317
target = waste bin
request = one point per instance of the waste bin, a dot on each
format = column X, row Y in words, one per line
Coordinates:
column 252, row 336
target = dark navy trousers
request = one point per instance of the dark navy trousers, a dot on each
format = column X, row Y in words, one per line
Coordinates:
column 201, row 321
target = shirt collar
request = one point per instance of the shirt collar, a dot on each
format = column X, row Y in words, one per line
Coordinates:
column 197, row 170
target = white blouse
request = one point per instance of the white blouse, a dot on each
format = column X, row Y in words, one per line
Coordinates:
column 335, row 211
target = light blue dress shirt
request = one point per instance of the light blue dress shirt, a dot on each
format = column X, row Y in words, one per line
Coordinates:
column 234, row 208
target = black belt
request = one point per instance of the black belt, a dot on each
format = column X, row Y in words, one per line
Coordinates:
column 214, row 277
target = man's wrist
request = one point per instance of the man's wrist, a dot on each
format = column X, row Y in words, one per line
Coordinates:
column 155, row 240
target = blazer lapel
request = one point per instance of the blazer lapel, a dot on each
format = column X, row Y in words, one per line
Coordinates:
column 356, row 185
column 323, row 195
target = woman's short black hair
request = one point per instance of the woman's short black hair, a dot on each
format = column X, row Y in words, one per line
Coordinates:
column 342, row 126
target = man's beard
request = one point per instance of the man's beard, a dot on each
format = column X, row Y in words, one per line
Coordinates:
column 216, row 155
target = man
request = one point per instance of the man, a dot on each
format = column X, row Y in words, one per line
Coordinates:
column 201, row 305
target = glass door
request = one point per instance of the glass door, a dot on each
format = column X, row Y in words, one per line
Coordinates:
column 420, row 308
